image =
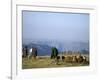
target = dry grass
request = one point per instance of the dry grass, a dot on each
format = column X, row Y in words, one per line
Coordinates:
column 46, row 62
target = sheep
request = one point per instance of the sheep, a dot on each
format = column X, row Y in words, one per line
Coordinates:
column 69, row 58
column 56, row 60
column 84, row 59
column 74, row 59
column 79, row 58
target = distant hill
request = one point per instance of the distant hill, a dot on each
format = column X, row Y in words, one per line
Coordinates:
column 44, row 47
column 41, row 49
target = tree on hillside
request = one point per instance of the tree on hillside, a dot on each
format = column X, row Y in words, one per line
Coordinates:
column 54, row 53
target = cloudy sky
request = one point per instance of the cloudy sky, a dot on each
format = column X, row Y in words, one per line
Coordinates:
column 55, row 26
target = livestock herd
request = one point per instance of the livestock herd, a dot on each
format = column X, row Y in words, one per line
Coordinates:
column 32, row 53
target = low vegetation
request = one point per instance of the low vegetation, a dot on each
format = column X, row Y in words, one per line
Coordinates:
column 30, row 59
column 65, row 60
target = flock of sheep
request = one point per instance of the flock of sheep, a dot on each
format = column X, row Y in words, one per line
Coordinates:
column 76, row 58
column 71, row 59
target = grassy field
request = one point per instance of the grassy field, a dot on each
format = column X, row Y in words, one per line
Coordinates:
column 46, row 62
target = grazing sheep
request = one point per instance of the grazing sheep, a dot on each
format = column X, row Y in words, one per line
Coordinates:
column 84, row 59
column 74, row 59
column 69, row 58
column 79, row 58
column 57, row 59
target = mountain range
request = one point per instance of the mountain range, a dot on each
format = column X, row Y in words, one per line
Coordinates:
column 44, row 47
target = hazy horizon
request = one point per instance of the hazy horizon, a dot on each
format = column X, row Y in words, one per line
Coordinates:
column 55, row 26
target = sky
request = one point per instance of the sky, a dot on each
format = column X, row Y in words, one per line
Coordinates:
column 55, row 26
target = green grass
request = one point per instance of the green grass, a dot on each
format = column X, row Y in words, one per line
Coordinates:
column 46, row 62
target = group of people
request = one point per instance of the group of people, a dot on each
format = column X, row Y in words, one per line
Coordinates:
column 29, row 52
column 33, row 52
